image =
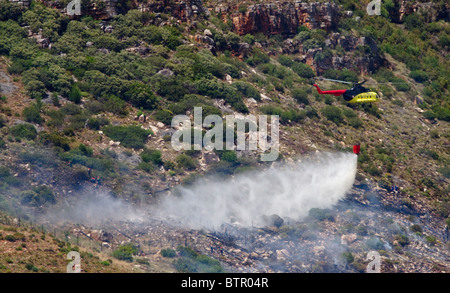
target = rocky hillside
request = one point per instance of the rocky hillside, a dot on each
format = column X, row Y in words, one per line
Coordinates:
column 87, row 101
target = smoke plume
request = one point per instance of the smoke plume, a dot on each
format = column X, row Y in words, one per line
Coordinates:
column 287, row 190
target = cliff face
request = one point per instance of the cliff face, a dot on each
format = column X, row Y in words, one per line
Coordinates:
column 281, row 18
column 430, row 11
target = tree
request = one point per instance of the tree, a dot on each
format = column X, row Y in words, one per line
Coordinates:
column 75, row 94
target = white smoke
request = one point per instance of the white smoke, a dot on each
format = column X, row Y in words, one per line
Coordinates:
column 93, row 208
column 289, row 190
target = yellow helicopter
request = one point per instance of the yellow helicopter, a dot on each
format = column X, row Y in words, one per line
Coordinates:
column 357, row 94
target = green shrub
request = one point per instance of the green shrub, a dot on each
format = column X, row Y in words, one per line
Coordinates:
column 125, row 252
column 24, row 130
column 75, row 94
column 56, row 139
column 431, row 240
column 300, row 96
column 285, row 60
column 32, row 114
column 355, row 122
column 419, row 75
column 347, row 257
column 193, row 262
column 401, row 85
column 141, row 96
column 185, row 265
column 128, row 136
column 38, row 196
column 416, row 228
column 228, row 156
column 86, row 150
column 320, row 214
column 164, row 116
column 221, row 90
column 97, row 123
column 115, row 105
column 402, row 239
column 302, row 69
column 71, row 109
column 258, row 57
column 247, row 90
column 333, row 113
column 186, row 162
column 375, row 243
column 15, row 237
column 154, row 156
column 168, row 252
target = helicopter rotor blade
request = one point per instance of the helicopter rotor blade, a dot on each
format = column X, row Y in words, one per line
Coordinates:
column 335, row 80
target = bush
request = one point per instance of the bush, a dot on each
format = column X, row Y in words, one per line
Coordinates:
column 247, row 90
column 32, row 114
column 141, row 96
column 220, row 90
column 125, row 252
column 302, row 69
column 416, row 228
column 153, row 156
column 86, row 150
column 128, row 136
column 75, row 94
column 186, row 162
column 168, row 252
column 347, row 257
column 192, row 262
column 164, row 116
column 375, row 243
column 15, row 237
column 38, row 196
column 24, row 130
column 333, row 113
column 71, row 109
column 401, row 85
column 36, row 89
column 355, row 122
column 228, row 156
column 56, row 139
column 431, row 240
column 419, row 75
column 320, row 214
column 301, row 96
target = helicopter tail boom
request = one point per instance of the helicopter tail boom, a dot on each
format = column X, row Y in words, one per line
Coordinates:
column 332, row 92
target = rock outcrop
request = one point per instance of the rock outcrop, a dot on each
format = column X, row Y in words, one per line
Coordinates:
column 430, row 11
column 281, row 18
column 360, row 54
